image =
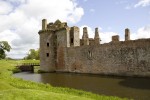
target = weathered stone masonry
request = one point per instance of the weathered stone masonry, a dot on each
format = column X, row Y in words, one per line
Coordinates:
column 62, row 50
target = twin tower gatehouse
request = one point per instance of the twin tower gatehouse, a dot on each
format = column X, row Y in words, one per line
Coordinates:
column 61, row 49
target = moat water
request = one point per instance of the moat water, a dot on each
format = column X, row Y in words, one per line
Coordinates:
column 128, row 87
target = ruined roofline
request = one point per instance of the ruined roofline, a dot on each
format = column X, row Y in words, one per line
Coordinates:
column 58, row 25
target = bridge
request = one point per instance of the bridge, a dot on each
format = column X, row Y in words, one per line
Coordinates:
column 27, row 67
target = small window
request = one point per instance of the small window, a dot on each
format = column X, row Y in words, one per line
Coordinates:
column 47, row 54
column 71, row 40
column 90, row 54
column 47, row 44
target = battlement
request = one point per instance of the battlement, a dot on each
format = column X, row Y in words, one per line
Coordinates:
column 73, row 33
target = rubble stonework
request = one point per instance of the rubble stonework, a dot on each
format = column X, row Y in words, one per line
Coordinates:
column 61, row 49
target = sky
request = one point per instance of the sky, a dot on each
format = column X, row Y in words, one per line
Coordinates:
column 20, row 20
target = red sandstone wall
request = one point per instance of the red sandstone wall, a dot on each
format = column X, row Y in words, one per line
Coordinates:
column 121, row 58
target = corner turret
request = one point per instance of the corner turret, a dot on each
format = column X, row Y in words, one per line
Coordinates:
column 44, row 24
column 85, row 36
column 96, row 37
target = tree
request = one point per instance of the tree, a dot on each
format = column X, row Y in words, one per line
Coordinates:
column 4, row 46
column 33, row 54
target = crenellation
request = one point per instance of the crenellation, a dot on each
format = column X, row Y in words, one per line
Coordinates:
column 115, row 38
column 127, row 34
column 85, row 37
column 61, row 49
column 96, row 37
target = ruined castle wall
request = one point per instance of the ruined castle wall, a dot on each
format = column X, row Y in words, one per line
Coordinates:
column 129, row 58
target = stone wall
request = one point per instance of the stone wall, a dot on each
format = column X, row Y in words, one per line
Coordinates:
column 47, row 51
column 129, row 58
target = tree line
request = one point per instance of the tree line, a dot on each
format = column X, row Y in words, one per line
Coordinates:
column 5, row 47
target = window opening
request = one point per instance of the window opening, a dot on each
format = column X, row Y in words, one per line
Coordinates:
column 47, row 44
column 47, row 54
column 71, row 40
column 90, row 54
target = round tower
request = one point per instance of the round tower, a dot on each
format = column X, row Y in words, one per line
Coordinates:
column 47, row 60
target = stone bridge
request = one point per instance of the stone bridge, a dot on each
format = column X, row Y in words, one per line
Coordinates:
column 27, row 67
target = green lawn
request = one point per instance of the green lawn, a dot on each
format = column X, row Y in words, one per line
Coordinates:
column 12, row 88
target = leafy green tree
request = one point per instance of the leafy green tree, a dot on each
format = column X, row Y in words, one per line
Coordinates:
column 4, row 46
column 33, row 54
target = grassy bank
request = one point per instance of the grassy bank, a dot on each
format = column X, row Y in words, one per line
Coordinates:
column 12, row 88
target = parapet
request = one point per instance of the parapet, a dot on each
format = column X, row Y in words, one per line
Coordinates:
column 53, row 26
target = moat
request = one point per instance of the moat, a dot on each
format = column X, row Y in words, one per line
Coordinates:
column 136, row 88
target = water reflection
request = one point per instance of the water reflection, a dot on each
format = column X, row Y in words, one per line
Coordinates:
column 137, row 88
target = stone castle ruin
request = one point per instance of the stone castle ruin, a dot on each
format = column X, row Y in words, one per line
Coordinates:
column 62, row 50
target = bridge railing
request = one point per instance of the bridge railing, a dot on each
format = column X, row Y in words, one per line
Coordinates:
column 28, row 64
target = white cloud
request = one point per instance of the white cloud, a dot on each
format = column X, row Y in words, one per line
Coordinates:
column 142, row 3
column 21, row 21
column 5, row 8
column 121, row 2
column 107, row 36
column 89, row 29
column 143, row 32
column 85, row 0
column 92, row 10
column 128, row 7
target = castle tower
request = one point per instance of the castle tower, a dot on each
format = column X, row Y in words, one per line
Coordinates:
column 85, row 36
column 127, row 34
column 44, row 24
column 96, row 37
column 47, row 48
column 74, row 36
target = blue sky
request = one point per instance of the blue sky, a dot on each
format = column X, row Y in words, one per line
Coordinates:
column 21, row 19
column 114, row 15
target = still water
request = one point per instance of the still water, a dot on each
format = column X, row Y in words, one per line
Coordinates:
column 135, row 88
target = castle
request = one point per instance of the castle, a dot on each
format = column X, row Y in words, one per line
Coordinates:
column 62, row 50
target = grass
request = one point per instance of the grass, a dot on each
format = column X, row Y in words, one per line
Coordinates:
column 12, row 88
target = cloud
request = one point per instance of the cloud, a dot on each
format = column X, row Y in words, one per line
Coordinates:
column 85, row 0
column 5, row 8
column 92, row 10
column 107, row 36
column 142, row 3
column 128, row 7
column 21, row 20
column 90, row 31
column 143, row 32
column 121, row 2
